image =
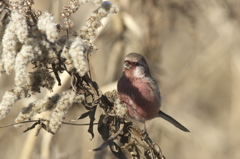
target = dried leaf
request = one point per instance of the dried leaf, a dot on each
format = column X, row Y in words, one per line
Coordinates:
column 84, row 115
column 92, row 119
column 116, row 150
column 105, row 144
column 33, row 126
column 109, row 141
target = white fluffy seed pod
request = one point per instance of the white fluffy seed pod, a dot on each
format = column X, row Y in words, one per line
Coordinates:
column 29, row 51
column 10, row 97
column 7, row 102
column 23, row 58
column 76, row 51
column 66, row 101
column 9, row 46
column 47, row 25
column 48, row 51
column 20, row 25
column 65, row 54
column 36, row 107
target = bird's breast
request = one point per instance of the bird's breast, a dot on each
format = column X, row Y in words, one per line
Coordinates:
column 141, row 99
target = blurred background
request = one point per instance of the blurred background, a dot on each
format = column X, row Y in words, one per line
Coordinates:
column 192, row 48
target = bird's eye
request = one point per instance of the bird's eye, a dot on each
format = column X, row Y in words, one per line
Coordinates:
column 137, row 64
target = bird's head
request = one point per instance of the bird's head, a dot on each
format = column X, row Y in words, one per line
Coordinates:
column 135, row 66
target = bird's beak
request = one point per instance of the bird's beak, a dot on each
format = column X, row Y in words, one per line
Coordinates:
column 126, row 65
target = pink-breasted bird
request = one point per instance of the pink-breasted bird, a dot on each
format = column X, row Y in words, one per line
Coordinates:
column 139, row 92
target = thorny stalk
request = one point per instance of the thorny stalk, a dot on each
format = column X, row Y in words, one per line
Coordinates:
column 31, row 37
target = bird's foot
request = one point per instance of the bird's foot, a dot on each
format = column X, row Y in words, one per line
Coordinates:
column 144, row 134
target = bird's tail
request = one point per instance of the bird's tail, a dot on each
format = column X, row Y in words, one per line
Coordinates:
column 171, row 120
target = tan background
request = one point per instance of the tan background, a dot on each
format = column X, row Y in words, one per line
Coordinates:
column 193, row 51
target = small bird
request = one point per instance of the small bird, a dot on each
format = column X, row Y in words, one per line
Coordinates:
column 139, row 92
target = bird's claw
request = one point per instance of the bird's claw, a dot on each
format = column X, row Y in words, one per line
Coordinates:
column 144, row 135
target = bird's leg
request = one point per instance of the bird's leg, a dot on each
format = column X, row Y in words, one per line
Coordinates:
column 145, row 127
column 144, row 131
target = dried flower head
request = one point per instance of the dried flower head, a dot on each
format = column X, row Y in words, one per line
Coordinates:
column 10, row 46
column 121, row 110
column 7, row 101
column 28, row 52
column 36, row 107
column 40, row 78
column 20, row 24
column 47, row 26
column 89, row 31
column 10, row 97
column 70, row 9
column 65, row 102
column 76, row 52
column 68, row 61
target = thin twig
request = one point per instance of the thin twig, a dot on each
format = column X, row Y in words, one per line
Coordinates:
column 31, row 121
